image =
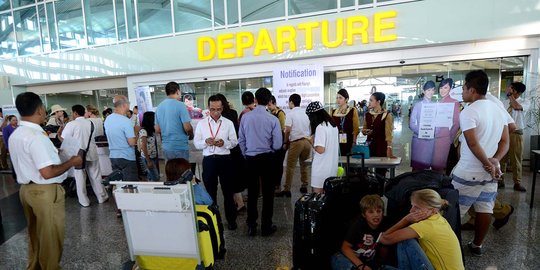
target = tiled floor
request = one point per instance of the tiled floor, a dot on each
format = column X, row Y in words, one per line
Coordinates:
column 95, row 238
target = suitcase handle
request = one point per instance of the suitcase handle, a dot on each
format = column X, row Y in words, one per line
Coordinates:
column 349, row 162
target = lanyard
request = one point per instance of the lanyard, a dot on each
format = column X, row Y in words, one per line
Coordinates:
column 210, row 127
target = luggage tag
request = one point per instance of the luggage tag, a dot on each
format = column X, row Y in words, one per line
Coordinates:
column 342, row 138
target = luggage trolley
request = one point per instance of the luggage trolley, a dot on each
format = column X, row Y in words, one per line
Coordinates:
column 160, row 223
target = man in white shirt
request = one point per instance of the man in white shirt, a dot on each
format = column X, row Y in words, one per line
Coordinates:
column 40, row 173
column 216, row 136
column 82, row 130
column 296, row 140
column 516, row 106
column 484, row 143
column 501, row 210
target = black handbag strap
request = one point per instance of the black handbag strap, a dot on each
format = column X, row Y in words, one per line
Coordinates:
column 90, row 138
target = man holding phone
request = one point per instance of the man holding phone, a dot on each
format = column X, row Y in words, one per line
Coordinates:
column 516, row 106
column 216, row 136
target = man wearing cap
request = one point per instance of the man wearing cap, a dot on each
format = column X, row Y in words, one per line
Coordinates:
column 40, row 173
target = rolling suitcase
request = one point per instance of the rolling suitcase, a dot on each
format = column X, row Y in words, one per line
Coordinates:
column 210, row 215
column 321, row 221
column 343, row 195
column 306, row 231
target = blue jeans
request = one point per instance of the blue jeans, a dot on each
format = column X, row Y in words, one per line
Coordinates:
column 411, row 256
column 341, row 262
column 151, row 174
column 172, row 154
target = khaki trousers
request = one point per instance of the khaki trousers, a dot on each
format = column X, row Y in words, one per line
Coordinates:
column 298, row 151
column 44, row 208
column 515, row 156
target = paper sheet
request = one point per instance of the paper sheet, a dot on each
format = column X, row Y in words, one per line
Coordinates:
column 426, row 128
column 445, row 115
column 70, row 147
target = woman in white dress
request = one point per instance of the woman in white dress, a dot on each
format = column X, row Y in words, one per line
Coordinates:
column 324, row 139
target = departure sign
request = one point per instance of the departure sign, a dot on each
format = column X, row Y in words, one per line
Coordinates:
column 348, row 31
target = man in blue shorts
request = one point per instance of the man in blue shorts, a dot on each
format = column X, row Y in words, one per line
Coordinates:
column 484, row 143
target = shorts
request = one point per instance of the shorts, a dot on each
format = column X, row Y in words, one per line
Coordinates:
column 480, row 194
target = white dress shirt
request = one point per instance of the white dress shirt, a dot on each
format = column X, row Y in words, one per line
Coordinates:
column 80, row 130
column 223, row 129
column 31, row 150
column 298, row 121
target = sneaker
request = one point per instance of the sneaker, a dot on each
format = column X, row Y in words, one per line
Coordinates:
column 520, row 188
column 475, row 251
column 499, row 223
column 303, row 190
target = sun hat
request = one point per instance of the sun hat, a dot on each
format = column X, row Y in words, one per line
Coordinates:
column 313, row 107
column 56, row 107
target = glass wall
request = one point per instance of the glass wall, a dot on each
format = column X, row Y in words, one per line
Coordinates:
column 401, row 85
column 102, row 99
column 34, row 27
column 196, row 94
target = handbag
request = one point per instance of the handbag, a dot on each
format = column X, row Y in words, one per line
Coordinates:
column 82, row 152
column 360, row 149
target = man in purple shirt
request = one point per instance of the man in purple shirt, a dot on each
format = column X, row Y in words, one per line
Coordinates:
column 259, row 137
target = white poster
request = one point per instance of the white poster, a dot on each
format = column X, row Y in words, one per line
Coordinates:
column 426, row 128
column 456, row 93
column 305, row 80
column 10, row 110
column 144, row 100
column 445, row 115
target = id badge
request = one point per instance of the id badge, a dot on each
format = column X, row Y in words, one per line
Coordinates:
column 342, row 138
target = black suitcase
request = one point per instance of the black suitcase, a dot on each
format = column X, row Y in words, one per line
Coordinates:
column 321, row 221
column 400, row 188
column 306, row 231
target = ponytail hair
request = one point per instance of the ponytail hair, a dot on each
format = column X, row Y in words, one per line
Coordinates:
column 430, row 198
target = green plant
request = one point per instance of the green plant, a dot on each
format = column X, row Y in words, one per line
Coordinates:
column 532, row 116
